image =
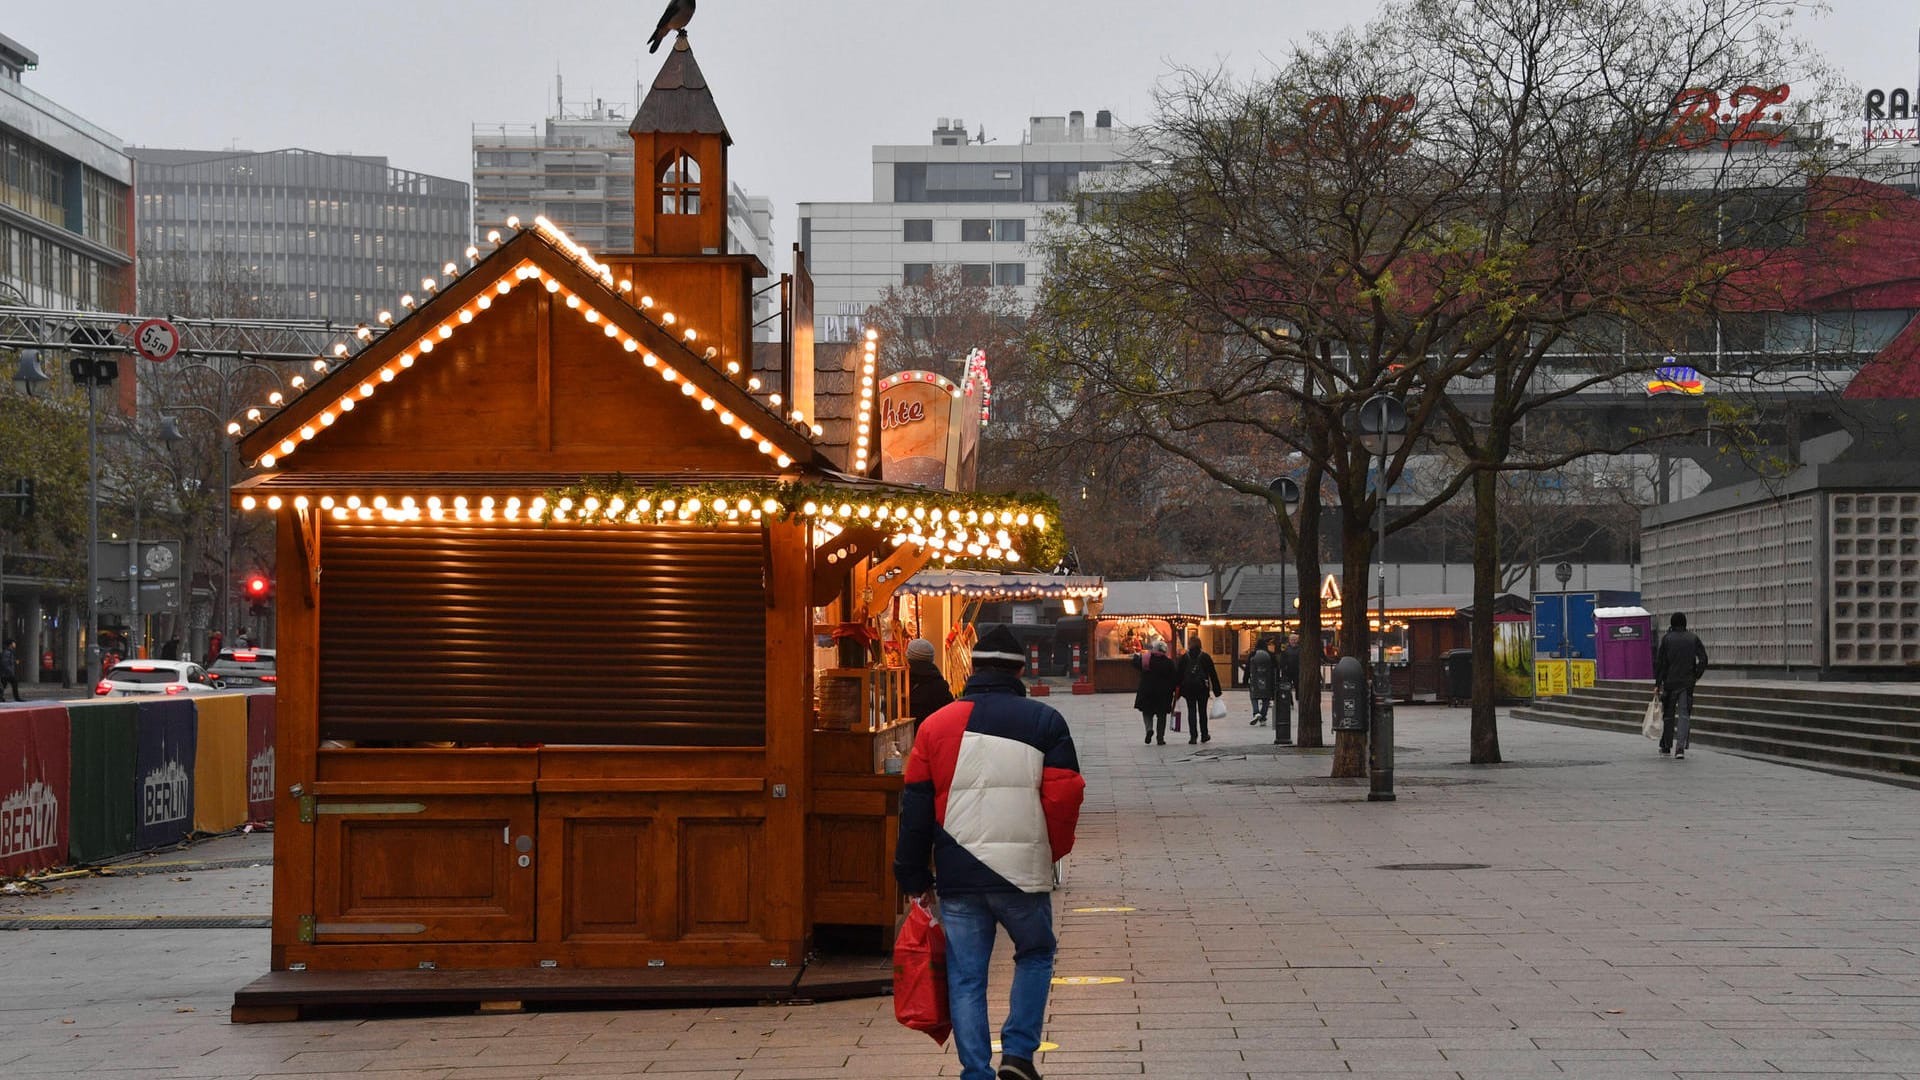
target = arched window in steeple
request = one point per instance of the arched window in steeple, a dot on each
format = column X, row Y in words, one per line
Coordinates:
column 679, row 183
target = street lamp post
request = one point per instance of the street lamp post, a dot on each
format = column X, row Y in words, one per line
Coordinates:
column 1288, row 489
column 1383, row 425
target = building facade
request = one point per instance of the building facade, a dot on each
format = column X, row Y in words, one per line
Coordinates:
column 65, row 201
column 576, row 170
column 958, row 200
column 289, row 233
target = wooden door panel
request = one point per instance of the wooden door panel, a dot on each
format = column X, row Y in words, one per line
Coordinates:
column 443, row 869
column 722, row 878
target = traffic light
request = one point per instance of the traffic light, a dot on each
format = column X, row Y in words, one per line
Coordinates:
column 259, row 590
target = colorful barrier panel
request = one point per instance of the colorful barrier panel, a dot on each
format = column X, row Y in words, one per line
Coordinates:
column 164, row 741
column 260, row 756
column 219, row 762
column 35, row 759
column 103, row 787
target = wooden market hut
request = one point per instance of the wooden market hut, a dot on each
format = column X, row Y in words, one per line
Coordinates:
column 1133, row 615
column 1421, row 629
column 552, row 578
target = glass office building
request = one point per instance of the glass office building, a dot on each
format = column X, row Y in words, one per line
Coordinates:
column 290, row 233
column 65, row 187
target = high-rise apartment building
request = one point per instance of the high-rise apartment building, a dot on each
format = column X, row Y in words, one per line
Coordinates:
column 959, row 200
column 576, row 169
column 65, row 209
column 290, row 233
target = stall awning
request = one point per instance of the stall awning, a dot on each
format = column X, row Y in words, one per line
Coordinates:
column 1174, row 600
column 982, row 585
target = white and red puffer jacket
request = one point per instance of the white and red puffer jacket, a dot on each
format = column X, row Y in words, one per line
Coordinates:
column 993, row 792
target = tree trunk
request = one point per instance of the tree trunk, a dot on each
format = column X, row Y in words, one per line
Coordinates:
column 1484, row 735
column 1356, row 560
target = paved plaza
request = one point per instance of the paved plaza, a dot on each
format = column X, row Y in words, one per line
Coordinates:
column 1633, row 916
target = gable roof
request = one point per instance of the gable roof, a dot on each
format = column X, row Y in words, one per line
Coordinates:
column 546, row 255
column 680, row 101
column 1155, row 599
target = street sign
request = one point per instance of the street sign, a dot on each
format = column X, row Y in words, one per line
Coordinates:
column 156, row 340
column 1563, row 573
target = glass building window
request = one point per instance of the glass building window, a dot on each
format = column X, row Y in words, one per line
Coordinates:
column 917, row 231
column 916, row 273
column 976, row 274
column 1010, row 230
column 976, row 230
column 1009, row 273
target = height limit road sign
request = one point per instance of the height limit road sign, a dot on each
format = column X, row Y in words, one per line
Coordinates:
column 156, row 340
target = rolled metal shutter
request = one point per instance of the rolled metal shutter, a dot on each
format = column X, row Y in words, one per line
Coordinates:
column 505, row 633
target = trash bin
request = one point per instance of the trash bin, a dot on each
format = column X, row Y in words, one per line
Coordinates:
column 1459, row 675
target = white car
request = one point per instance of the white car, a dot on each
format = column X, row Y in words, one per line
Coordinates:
column 244, row 667
column 137, row 677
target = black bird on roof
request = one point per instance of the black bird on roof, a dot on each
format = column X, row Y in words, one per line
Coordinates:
column 678, row 14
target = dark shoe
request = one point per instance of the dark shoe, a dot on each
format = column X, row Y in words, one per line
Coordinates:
column 1678, row 754
column 1663, row 751
column 1163, row 742
column 1206, row 738
column 1013, row 1068
column 1253, row 721
column 1191, row 739
column 1149, row 736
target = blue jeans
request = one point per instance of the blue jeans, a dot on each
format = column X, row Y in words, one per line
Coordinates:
column 969, row 921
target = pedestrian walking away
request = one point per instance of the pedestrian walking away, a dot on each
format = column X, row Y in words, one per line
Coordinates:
column 926, row 686
column 992, row 798
column 1285, row 689
column 1262, row 670
column 1159, row 682
column 10, row 670
column 1678, row 662
column 1197, row 677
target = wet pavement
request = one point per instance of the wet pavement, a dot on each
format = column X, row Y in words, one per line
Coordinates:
column 1586, row 909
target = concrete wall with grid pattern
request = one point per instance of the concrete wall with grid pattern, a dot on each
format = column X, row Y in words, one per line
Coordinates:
column 1876, row 579
column 1730, row 571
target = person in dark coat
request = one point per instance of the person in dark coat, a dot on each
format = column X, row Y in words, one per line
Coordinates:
column 1197, row 677
column 1159, row 682
column 1677, row 664
column 1286, row 686
column 926, row 688
column 1262, row 670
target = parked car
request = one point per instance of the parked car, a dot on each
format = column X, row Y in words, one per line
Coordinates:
column 243, row 668
column 136, row 677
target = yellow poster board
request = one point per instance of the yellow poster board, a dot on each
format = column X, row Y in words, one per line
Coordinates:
column 1550, row 677
column 1582, row 674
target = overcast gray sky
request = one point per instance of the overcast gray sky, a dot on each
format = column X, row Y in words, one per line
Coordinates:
column 806, row 88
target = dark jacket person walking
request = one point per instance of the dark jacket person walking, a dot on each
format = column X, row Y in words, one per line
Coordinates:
column 1262, row 671
column 1159, row 682
column 1678, row 663
column 1197, row 677
column 993, row 792
column 926, row 686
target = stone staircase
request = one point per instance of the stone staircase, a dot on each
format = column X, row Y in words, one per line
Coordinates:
column 1866, row 731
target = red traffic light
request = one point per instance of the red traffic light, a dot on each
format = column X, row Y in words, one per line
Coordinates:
column 257, row 587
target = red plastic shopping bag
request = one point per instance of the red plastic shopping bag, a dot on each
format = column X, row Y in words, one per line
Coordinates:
column 920, row 975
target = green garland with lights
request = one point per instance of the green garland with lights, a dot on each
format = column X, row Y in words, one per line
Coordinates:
column 721, row 502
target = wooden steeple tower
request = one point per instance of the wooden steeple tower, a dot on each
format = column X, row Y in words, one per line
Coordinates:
column 679, row 163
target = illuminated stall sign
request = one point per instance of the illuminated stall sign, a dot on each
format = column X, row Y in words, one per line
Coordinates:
column 929, row 431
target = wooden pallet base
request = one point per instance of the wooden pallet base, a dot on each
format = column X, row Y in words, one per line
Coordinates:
column 283, row 996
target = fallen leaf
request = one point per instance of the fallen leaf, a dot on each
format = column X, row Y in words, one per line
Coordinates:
column 185, row 1008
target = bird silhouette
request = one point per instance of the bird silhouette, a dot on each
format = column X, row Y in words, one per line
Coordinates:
column 678, row 14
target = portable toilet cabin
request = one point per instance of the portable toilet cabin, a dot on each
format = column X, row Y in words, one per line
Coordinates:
column 1624, row 641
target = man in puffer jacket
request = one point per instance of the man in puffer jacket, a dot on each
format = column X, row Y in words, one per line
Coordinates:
column 993, row 792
